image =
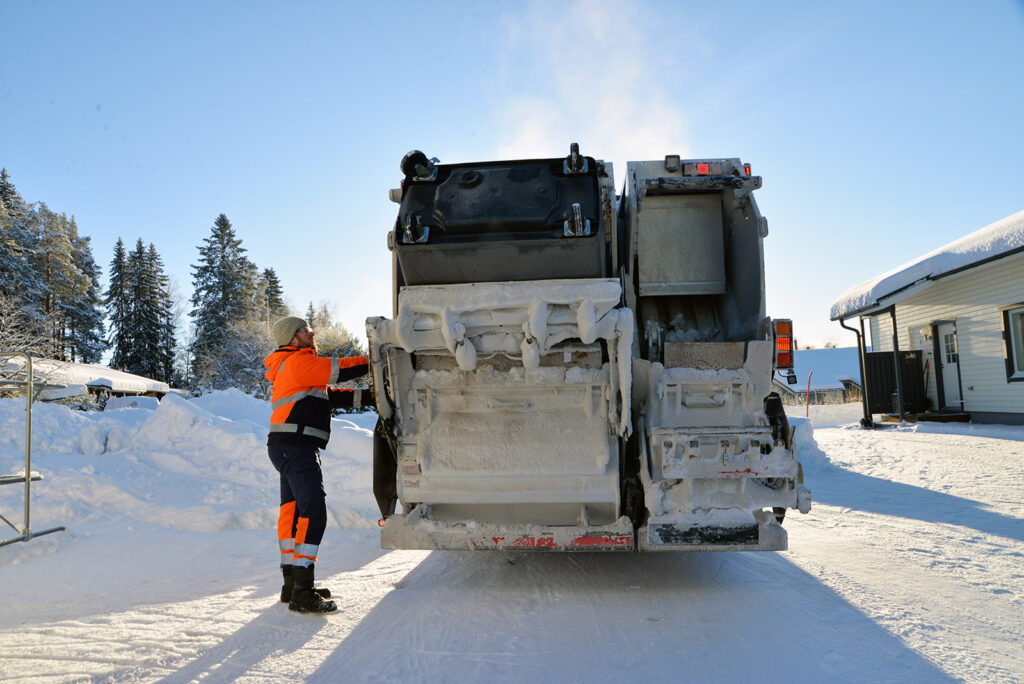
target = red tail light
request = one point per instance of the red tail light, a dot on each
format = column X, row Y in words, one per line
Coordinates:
column 703, row 168
column 746, row 169
column 784, row 347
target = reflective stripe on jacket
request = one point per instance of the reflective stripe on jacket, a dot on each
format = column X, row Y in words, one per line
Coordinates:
column 301, row 401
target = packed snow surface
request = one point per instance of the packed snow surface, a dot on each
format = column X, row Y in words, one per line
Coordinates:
column 910, row 568
column 1001, row 237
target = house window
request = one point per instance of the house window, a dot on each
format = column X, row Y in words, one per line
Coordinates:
column 949, row 347
column 1015, row 343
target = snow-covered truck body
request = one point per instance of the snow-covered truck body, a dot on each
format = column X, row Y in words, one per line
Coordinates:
column 568, row 369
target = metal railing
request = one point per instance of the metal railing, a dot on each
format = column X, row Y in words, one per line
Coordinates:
column 28, row 476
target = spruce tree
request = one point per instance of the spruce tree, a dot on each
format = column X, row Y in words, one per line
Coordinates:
column 164, row 304
column 8, row 193
column 224, row 283
column 118, row 304
column 145, row 316
column 273, row 296
column 318, row 319
column 140, row 308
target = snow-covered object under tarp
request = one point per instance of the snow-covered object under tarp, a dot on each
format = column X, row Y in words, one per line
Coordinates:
column 66, row 373
column 998, row 239
column 69, row 392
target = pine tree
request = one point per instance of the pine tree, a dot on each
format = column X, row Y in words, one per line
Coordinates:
column 82, row 309
column 54, row 264
column 19, row 281
column 47, row 270
column 21, row 323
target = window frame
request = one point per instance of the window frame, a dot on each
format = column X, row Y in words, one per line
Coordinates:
column 1013, row 338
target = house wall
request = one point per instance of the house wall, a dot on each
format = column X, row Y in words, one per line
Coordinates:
column 974, row 299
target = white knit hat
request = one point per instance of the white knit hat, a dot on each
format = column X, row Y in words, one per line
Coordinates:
column 285, row 329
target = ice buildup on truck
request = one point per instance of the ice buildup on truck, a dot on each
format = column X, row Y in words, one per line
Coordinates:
column 570, row 369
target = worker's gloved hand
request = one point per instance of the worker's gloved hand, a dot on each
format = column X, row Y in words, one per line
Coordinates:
column 367, row 398
column 350, row 398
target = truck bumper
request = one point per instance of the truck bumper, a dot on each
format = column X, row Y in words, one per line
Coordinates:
column 764, row 534
column 417, row 531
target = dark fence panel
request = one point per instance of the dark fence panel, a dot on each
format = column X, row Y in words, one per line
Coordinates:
column 880, row 381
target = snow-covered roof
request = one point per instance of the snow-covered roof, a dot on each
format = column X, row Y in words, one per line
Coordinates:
column 65, row 373
column 994, row 241
column 827, row 369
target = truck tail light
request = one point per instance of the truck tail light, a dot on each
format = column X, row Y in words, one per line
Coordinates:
column 703, row 168
column 746, row 169
column 784, row 347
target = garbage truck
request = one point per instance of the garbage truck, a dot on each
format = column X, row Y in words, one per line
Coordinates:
column 568, row 368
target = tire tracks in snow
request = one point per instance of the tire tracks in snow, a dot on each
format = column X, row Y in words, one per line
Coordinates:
column 918, row 565
column 225, row 637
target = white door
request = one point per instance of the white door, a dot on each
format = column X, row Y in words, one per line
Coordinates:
column 950, row 359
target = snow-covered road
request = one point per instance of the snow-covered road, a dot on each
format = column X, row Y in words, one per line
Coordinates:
column 910, row 567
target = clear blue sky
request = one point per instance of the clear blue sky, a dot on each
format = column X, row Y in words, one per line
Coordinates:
column 882, row 130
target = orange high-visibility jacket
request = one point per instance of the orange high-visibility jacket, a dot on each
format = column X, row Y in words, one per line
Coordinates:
column 301, row 401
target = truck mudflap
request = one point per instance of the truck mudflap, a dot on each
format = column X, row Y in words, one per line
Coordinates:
column 416, row 530
column 674, row 533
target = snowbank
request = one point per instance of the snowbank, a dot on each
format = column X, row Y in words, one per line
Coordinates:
column 198, row 465
column 829, row 415
column 115, row 403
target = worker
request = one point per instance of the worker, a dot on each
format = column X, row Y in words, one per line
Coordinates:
column 300, row 426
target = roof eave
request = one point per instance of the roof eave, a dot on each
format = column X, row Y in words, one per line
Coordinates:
column 902, row 293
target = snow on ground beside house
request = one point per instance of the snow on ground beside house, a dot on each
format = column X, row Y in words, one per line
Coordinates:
column 908, row 568
column 828, row 415
column 1001, row 237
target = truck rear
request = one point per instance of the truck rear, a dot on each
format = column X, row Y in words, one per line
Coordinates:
column 570, row 369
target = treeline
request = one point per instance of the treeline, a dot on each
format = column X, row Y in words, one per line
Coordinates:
column 50, row 302
column 52, row 306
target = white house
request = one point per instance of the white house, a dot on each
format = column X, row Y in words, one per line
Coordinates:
column 953, row 320
column 829, row 376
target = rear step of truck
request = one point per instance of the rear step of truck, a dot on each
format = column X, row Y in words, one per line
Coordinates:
column 762, row 534
column 417, row 531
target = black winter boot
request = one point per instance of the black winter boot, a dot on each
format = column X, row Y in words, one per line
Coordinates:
column 304, row 598
column 286, row 588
